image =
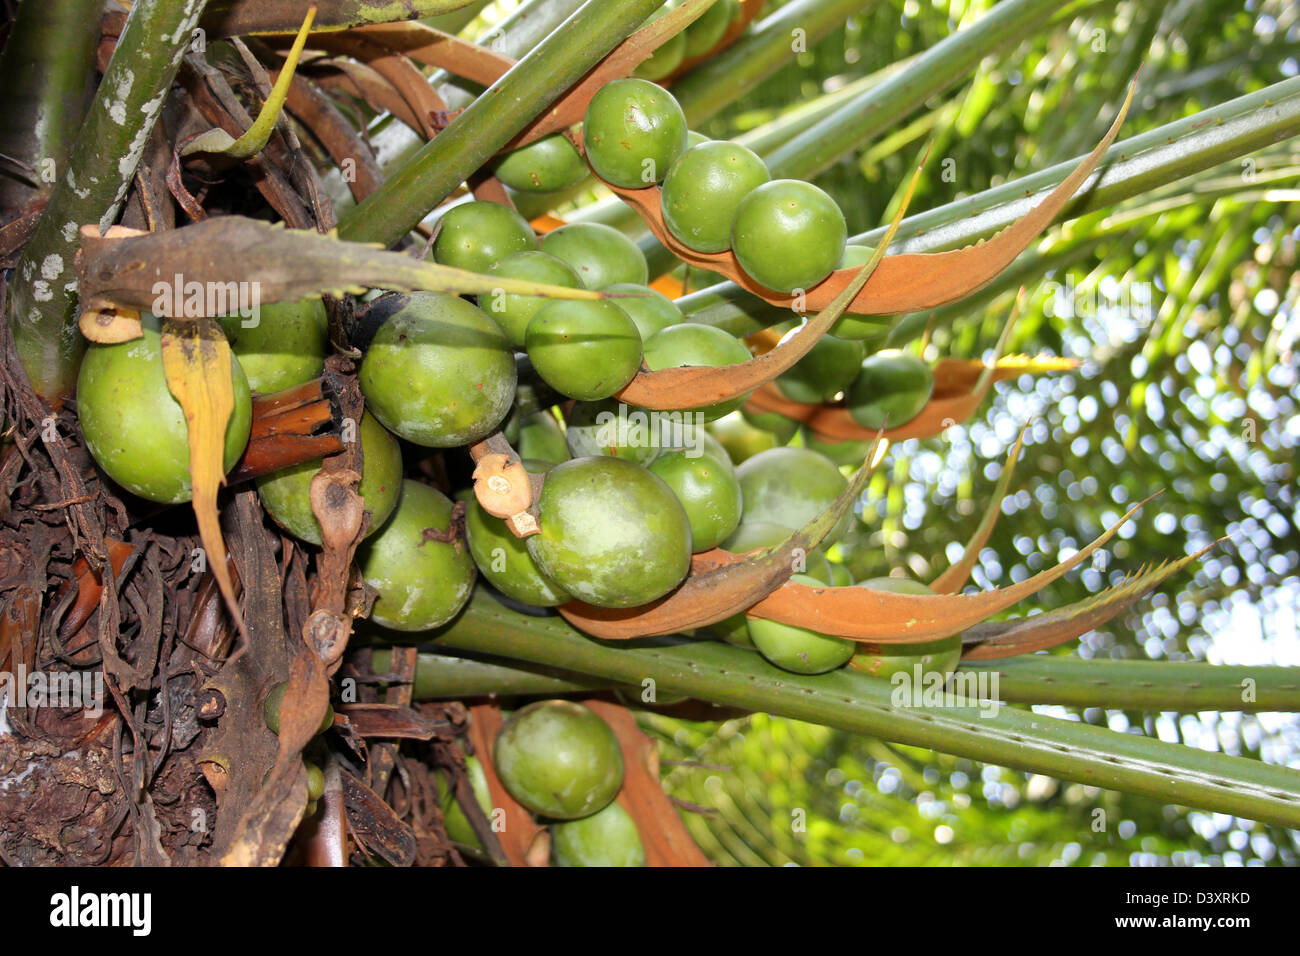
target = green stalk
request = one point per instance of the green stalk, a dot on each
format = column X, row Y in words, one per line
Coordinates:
column 713, row 84
column 1131, row 167
column 790, row 123
column 883, row 106
column 532, row 85
column 226, row 18
column 45, row 71
column 1012, row 738
column 457, row 20
column 1039, row 679
column 443, row 677
column 1185, row 688
column 91, row 190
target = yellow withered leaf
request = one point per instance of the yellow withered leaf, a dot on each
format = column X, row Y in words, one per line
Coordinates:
column 196, row 361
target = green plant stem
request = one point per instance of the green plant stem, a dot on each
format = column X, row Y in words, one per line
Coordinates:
column 492, row 120
column 444, row 677
column 91, row 189
column 1037, row 679
column 457, row 20
column 225, row 18
column 713, row 84
column 1144, row 685
column 45, row 71
column 770, row 136
column 1131, row 167
column 1013, row 738
column 883, row 106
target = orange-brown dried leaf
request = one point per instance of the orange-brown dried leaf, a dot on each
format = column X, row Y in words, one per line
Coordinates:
column 998, row 639
column 432, row 47
column 663, row 835
column 364, row 81
column 884, row 617
column 394, row 64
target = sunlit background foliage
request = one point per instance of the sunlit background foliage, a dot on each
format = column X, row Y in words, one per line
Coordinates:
column 1182, row 304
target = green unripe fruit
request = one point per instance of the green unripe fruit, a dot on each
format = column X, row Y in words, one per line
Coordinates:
column 694, row 139
column 782, row 428
column 546, row 165
column 612, row 533
column 852, row 453
column 703, row 190
column 286, row 494
column 453, row 817
column 841, row 576
column 828, row 369
column 885, row 660
column 315, row 782
column 606, row 838
column 707, row 32
column 650, row 309
column 599, row 254
column 663, row 61
column 611, row 428
column 692, row 344
column 271, row 710
column 634, row 130
column 788, row 235
column 708, row 445
column 134, row 427
column 286, row 347
column 421, row 583
column 474, row 235
column 584, row 349
column 741, row 439
column 858, row 327
column 513, row 312
column 542, row 439
column 799, row 649
column 439, row 372
column 791, row 487
column 708, row 491
column 890, row 390
column 559, row 759
column 504, row 560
